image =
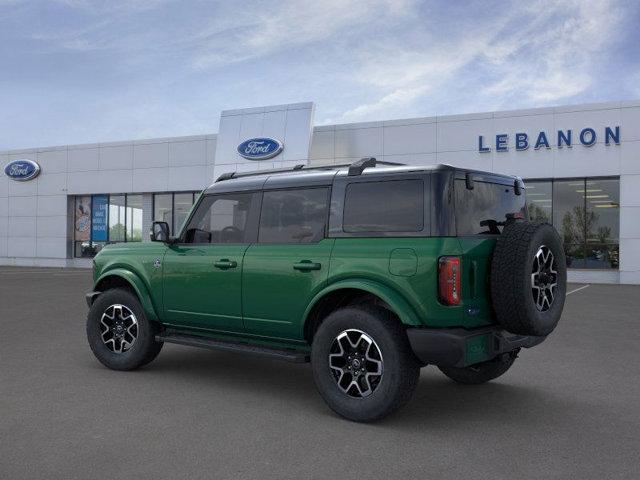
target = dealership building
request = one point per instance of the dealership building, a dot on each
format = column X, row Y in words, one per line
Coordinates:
column 581, row 164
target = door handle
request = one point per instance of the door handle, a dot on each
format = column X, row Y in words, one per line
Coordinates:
column 306, row 266
column 225, row 263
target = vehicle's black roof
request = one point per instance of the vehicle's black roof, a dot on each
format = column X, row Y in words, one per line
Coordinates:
column 324, row 175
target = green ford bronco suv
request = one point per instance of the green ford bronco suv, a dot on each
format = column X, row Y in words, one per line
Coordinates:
column 368, row 272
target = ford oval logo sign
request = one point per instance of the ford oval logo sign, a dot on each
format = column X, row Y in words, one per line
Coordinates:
column 22, row 170
column 260, row 148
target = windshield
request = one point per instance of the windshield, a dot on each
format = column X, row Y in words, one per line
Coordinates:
column 484, row 209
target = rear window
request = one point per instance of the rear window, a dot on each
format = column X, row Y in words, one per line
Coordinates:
column 484, row 209
column 389, row 206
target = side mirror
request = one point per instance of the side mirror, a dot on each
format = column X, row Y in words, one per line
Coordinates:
column 159, row 232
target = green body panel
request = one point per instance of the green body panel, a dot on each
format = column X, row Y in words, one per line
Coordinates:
column 387, row 294
column 135, row 263
column 198, row 294
column 264, row 299
column 275, row 294
column 388, row 263
column 476, row 267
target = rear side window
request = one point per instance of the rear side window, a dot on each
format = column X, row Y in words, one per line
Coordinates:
column 293, row 216
column 389, row 206
column 484, row 209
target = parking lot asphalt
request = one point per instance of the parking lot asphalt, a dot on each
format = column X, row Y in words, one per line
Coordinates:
column 569, row 408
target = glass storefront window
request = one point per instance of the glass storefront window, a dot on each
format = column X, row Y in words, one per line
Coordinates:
column 586, row 213
column 117, row 218
column 163, row 208
column 603, row 223
column 134, row 218
column 101, row 219
column 182, row 203
column 172, row 208
column 539, row 200
column 82, row 227
column 569, row 219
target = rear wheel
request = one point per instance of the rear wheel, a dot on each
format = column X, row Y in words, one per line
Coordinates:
column 482, row 372
column 362, row 363
column 119, row 333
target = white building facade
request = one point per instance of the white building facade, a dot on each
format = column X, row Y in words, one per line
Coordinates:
column 581, row 165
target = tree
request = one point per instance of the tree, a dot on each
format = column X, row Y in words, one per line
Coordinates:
column 116, row 233
column 537, row 214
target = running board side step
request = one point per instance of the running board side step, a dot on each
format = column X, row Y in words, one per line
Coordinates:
column 203, row 342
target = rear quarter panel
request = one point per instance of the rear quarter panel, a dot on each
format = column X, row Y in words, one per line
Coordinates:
column 387, row 262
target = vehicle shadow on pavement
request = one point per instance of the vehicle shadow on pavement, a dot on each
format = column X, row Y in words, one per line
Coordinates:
column 440, row 403
column 437, row 403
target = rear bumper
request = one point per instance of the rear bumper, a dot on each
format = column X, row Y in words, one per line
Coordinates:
column 459, row 347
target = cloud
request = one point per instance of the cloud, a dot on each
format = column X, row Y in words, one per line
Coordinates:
column 289, row 23
column 540, row 53
column 101, row 70
column 549, row 60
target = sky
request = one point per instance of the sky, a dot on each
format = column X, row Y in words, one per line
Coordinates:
column 80, row 71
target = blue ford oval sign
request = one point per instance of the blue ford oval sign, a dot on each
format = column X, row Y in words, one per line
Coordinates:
column 22, row 170
column 260, row 148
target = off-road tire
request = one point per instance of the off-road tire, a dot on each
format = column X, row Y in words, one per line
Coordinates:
column 400, row 367
column 482, row 372
column 511, row 278
column 144, row 349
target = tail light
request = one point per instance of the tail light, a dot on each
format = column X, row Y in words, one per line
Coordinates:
column 449, row 274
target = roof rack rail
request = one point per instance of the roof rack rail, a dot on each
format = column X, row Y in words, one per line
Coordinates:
column 230, row 175
column 355, row 168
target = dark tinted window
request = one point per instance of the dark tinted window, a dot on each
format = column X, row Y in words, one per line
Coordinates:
column 391, row 206
column 293, row 216
column 220, row 219
column 484, row 208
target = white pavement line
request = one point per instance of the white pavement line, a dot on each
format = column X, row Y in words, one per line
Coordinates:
column 578, row 289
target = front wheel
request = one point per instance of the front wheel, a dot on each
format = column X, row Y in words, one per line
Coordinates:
column 362, row 363
column 119, row 333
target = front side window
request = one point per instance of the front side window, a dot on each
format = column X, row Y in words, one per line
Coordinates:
column 389, row 206
column 293, row 216
column 220, row 219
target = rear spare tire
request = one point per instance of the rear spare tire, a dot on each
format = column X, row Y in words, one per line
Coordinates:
column 528, row 278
